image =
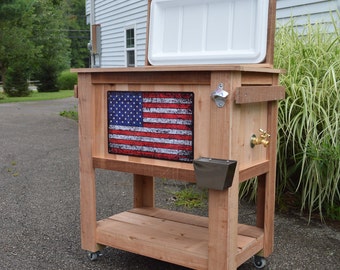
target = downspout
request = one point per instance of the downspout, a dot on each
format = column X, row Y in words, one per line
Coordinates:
column 92, row 22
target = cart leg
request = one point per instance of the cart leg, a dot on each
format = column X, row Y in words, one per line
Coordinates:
column 86, row 169
column 223, row 222
column 144, row 191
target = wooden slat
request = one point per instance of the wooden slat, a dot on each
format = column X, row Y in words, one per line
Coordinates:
column 250, row 231
column 157, row 168
column 254, row 170
column 249, row 248
column 175, row 77
column 173, row 216
column 161, row 226
column 251, row 94
column 256, row 78
column 256, row 68
column 156, row 238
column 149, row 232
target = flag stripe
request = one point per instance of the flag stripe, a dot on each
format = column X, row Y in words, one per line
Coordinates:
column 143, row 153
column 122, row 133
column 174, row 146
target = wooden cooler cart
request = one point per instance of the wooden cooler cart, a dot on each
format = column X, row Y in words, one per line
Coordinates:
column 221, row 131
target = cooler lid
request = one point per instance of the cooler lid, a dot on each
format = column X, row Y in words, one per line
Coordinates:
column 189, row 32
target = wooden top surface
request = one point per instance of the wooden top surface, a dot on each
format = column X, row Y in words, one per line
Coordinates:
column 246, row 68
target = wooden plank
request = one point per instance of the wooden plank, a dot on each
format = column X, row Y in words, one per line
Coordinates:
column 256, row 78
column 271, row 32
column 270, row 181
column 247, row 250
column 258, row 68
column 144, row 191
column 86, row 170
column 250, row 231
column 223, row 205
column 154, row 242
column 184, row 231
column 100, row 137
column 146, row 230
column 174, row 77
column 144, row 166
column 251, row 94
column 173, row 216
column 254, row 170
column 248, row 120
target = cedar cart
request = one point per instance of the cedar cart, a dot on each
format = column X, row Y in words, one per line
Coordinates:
column 221, row 131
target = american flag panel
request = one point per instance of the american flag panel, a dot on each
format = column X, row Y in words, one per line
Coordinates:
column 151, row 124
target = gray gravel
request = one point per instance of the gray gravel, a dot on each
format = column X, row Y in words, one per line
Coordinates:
column 39, row 202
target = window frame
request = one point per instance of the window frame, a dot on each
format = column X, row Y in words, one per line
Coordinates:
column 127, row 48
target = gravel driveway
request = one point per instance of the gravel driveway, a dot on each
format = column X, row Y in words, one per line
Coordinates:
column 39, row 202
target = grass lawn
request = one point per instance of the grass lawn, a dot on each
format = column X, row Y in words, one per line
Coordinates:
column 36, row 96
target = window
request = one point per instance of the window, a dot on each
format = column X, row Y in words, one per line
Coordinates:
column 130, row 47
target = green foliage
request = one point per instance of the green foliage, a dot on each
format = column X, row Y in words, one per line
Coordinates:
column 79, row 34
column 15, row 83
column 190, row 197
column 309, row 118
column 72, row 114
column 17, row 50
column 67, row 80
column 2, row 96
column 37, row 96
column 53, row 44
column 47, row 76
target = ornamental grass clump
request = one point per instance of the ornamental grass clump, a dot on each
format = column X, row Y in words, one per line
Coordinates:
column 308, row 161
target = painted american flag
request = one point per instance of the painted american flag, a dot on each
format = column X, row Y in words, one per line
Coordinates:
column 151, row 124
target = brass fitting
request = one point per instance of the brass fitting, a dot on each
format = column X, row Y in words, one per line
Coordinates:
column 262, row 139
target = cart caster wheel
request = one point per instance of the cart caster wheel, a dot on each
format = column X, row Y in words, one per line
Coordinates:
column 93, row 256
column 259, row 262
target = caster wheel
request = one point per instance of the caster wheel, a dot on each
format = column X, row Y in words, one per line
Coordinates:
column 93, row 256
column 259, row 262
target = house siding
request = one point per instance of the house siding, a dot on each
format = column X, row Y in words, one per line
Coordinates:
column 114, row 16
column 307, row 11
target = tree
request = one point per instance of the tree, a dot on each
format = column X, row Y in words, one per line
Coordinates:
column 78, row 33
column 48, row 29
column 35, row 40
column 17, row 50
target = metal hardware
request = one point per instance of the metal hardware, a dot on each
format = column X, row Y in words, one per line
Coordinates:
column 219, row 96
column 262, row 139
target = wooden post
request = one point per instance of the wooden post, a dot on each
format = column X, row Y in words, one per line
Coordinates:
column 271, row 33
column 143, row 191
column 223, row 205
column 86, row 170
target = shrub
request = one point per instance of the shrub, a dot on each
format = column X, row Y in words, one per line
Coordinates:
column 15, row 82
column 47, row 76
column 2, row 96
column 309, row 118
column 67, row 80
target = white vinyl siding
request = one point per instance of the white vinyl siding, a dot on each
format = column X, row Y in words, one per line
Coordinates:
column 114, row 18
column 304, row 11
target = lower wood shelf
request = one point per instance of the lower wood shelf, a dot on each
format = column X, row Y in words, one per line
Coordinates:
column 170, row 236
